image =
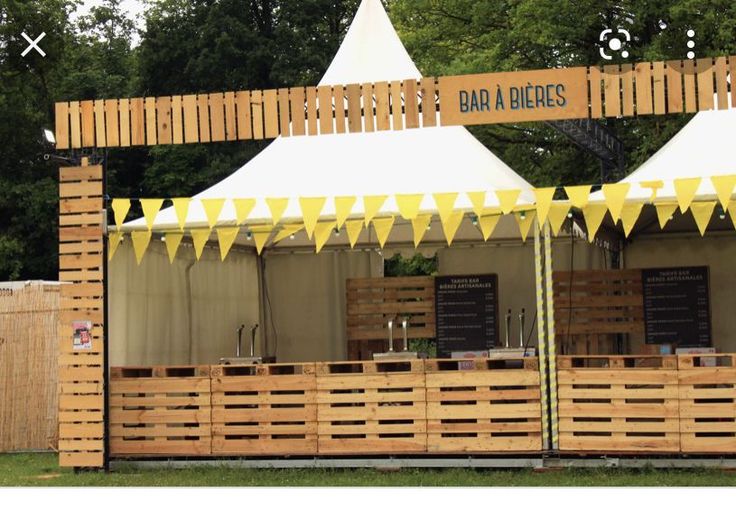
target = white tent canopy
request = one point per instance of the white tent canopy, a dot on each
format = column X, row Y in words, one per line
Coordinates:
column 422, row 160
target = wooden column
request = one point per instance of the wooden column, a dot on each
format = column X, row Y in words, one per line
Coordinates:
column 81, row 267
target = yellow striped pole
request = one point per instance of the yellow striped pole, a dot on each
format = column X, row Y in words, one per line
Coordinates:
column 551, row 347
column 541, row 335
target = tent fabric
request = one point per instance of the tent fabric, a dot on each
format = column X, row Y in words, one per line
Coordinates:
column 422, row 160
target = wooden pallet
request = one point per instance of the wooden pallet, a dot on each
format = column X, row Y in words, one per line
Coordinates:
column 707, row 386
column 264, row 409
column 371, row 407
column 483, row 405
column 160, row 410
column 618, row 404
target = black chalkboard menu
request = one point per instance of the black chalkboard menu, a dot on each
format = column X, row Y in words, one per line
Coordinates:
column 466, row 313
column 677, row 306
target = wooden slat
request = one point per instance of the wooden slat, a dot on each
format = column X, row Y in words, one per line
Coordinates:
column 383, row 106
column 177, row 120
column 688, row 71
column 271, row 113
column 704, row 69
column 721, row 70
column 397, row 107
column 75, row 124
column 627, row 80
column 312, row 121
column 112, row 124
column 284, row 113
column 101, row 139
column 596, row 103
column 242, row 105
column 256, row 107
column 217, row 116
column 203, row 110
column 75, row 174
column 659, row 88
column 231, row 130
column 191, row 124
column 429, row 108
column 151, row 125
column 674, row 86
column 61, row 128
column 411, row 105
column 612, row 90
column 338, row 96
column 355, row 113
column 163, row 120
column 137, row 122
column 296, row 99
column 88, row 123
column 324, row 95
column 369, row 121
column 643, row 79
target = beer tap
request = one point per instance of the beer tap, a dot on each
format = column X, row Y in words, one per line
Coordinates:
column 508, row 327
column 521, row 328
column 404, row 324
column 391, row 335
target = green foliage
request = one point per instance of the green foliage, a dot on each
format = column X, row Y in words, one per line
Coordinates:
column 399, row 266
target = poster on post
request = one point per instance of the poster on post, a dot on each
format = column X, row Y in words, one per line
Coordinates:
column 82, row 335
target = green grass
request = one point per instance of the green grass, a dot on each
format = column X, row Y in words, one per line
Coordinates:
column 41, row 469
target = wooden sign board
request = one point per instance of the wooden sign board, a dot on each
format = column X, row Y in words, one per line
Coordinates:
column 514, row 97
column 466, row 308
column 677, row 306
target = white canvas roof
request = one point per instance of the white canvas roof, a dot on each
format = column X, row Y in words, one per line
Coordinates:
column 422, row 160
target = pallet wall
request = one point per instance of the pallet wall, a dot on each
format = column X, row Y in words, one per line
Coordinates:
column 81, row 253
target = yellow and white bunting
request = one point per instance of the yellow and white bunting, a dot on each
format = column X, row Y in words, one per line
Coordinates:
column 343, row 207
column 212, row 209
column 629, row 215
column 702, row 212
column 724, row 186
column 225, row 238
column 557, row 216
column 140, row 243
column 685, row 190
column 578, row 195
column 383, row 227
column 507, row 200
column 120, row 208
column 354, row 228
column 173, row 240
column 655, row 186
column 286, row 231
column 594, row 214
column 419, row 226
column 322, row 233
column 371, row 206
column 181, row 208
column 113, row 241
column 525, row 219
column 260, row 238
column 311, row 210
column 409, row 205
column 277, row 208
column 615, row 196
column 478, row 200
column 199, row 240
column 150, row 210
column 544, row 198
column 665, row 210
column 450, row 226
column 243, row 208
column 445, row 203
column 488, row 224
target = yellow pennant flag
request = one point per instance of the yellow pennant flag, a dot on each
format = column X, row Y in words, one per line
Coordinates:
column 594, row 214
column 702, row 211
column 225, row 238
column 525, row 219
column 353, row 227
column 322, row 233
column 371, row 205
column 150, row 210
column 277, row 208
column 260, row 238
column 578, row 195
column 212, row 208
column 507, row 200
column 419, row 225
column 724, row 189
column 409, row 205
column 286, row 231
column 140, row 243
column 478, row 200
column 664, row 212
column 343, row 207
column 488, row 225
column 685, row 190
column 120, row 207
column 243, row 208
column 181, row 208
column 544, row 198
column 629, row 215
column 557, row 216
column 615, row 195
column 445, row 203
column 383, row 228
column 654, row 186
column 173, row 239
column 199, row 239
column 451, row 225
column 311, row 209
column 113, row 240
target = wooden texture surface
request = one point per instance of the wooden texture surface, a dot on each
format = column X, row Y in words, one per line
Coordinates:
column 644, row 89
column 81, row 386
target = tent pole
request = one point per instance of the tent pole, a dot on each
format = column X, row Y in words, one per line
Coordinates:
column 551, row 346
column 262, row 307
column 541, row 335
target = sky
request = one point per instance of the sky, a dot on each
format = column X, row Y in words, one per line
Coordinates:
column 133, row 8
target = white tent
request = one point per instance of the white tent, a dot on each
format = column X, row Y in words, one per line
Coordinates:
column 415, row 161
